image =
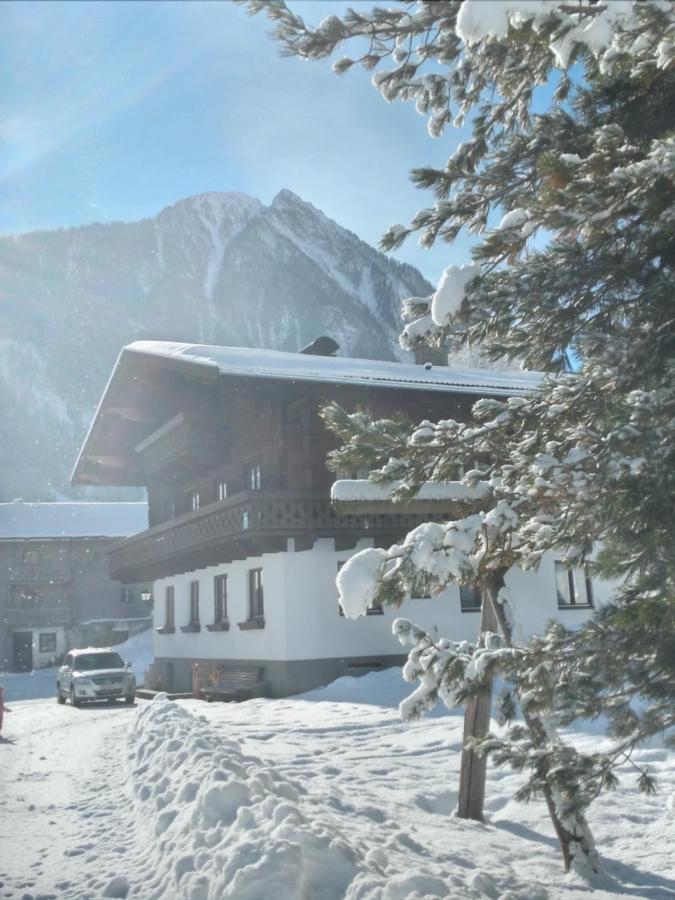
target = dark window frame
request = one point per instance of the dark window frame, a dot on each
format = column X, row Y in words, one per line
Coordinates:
column 194, row 603
column 219, row 598
column 52, row 643
column 566, row 575
column 470, row 599
column 170, row 607
column 256, row 594
column 221, row 489
column 194, row 499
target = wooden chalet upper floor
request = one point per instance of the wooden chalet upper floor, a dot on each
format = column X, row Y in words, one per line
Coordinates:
column 231, row 447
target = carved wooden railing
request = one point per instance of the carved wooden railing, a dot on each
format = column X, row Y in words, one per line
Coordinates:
column 194, row 539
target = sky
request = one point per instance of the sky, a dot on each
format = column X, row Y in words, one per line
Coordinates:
column 115, row 110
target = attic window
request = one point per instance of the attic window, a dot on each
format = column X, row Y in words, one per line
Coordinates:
column 254, row 478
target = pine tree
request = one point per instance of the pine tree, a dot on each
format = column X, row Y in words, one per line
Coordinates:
column 574, row 206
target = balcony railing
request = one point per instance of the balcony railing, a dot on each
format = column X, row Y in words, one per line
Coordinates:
column 35, row 618
column 54, row 571
column 247, row 524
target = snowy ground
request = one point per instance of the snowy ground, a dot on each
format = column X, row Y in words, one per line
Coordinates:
column 321, row 797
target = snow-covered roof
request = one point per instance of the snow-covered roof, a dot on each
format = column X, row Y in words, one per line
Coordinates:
column 354, row 496
column 361, row 489
column 274, row 364
column 19, row 519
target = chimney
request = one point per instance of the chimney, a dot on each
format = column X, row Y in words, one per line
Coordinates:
column 322, row 346
column 435, row 356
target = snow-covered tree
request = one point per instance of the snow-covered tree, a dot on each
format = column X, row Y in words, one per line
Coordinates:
column 572, row 200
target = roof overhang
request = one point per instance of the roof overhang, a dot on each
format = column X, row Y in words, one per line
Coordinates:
column 138, row 397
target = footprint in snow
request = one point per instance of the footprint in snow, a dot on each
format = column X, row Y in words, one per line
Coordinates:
column 117, row 887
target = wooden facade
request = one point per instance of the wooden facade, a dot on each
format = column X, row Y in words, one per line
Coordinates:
column 234, row 466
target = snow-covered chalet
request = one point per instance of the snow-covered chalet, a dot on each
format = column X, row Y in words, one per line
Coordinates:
column 244, row 544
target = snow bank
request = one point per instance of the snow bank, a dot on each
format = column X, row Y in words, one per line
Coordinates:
column 223, row 824
column 386, row 688
column 220, row 823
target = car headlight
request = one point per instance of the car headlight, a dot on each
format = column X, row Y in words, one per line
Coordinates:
column 82, row 681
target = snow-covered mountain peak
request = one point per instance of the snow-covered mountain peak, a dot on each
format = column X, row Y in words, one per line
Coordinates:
column 213, row 208
column 214, row 268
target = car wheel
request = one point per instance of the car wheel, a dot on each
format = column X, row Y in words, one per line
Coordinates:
column 73, row 699
column 59, row 695
column 129, row 700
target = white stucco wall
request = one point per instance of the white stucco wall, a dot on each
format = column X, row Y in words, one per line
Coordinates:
column 44, row 659
column 302, row 619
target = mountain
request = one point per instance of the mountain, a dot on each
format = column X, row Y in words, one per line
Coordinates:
column 218, row 268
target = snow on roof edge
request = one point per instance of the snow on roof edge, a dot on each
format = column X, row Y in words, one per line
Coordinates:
column 361, row 490
column 276, row 364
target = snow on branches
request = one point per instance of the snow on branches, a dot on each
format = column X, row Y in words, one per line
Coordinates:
column 585, row 466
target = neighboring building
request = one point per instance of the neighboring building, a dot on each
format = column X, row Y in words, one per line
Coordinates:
column 244, row 544
column 54, row 576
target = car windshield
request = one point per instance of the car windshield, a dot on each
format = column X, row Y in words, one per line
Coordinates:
column 88, row 661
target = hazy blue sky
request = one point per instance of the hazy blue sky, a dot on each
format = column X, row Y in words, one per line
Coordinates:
column 114, row 110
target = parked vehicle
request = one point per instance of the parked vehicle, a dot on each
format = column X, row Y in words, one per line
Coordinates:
column 94, row 673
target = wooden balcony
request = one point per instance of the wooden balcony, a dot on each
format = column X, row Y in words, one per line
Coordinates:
column 247, row 524
column 35, row 618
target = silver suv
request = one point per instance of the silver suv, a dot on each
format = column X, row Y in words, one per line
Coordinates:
column 95, row 673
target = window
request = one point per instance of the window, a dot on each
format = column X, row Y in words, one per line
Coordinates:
column 469, row 598
column 126, row 594
column 23, row 598
column 169, row 617
column 375, row 609
column 48, row 642
column 194, row 603
column 254, row 478
column 221, row 489
column 193, row 498
column 31, row 554
column 220, row 598
column 255, row 594
column 573, row 586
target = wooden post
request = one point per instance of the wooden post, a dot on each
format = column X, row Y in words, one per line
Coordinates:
column 476, row 725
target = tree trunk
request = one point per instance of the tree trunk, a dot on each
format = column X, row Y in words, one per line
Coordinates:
column 476, row 725
column 568, row 839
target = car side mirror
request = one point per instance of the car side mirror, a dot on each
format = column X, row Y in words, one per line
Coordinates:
column 127, row 665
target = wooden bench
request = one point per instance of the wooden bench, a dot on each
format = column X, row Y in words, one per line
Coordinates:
column 233, row 684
